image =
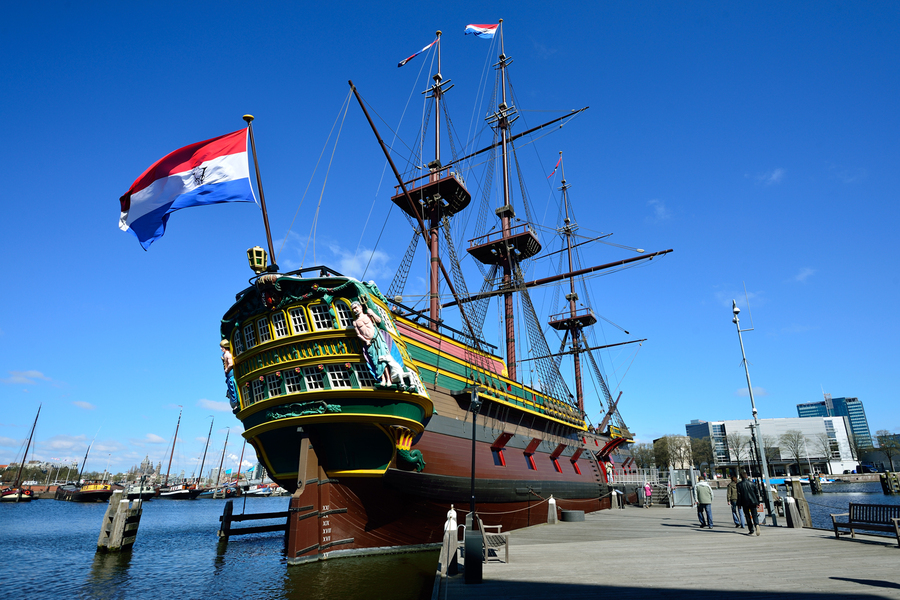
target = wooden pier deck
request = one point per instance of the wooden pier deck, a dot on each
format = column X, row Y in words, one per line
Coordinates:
column 661, row 553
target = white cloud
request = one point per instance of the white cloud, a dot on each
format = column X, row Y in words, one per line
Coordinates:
column 155, row 439
column 6, row 442
column 725, row 297
column 84, row 405
column 213, row 405
column 363, row 263
column 757, row 392
column 803, row 274
column 26, row 377
column 660, row 211
column 772, row 177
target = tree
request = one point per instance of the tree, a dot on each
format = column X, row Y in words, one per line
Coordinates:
column 888, row 444
column 826, row 446
column 643, row 455
column 672, row 451
column 794, row 442
column 681, row 446
column 738, row 445
column 702, row 452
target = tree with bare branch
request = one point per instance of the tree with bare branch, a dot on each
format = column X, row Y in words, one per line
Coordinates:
column 888, row 445
column 794, row 442
column 824, row 445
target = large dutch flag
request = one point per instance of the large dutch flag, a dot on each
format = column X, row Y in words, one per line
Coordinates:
column 482, row 31
column 208, row 172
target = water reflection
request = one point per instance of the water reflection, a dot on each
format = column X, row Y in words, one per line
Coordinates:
column 407, row 576
column 109, row 570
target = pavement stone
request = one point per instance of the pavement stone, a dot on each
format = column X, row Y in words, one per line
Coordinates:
column 662, row 553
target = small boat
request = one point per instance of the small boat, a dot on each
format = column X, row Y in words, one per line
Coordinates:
column 259, row 490
column 17, row 493
column 87, row 492
column 140, row 491
column 180, row 491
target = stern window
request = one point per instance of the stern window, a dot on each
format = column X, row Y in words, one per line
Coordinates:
column 249, row 335
column 321, row 316
column 263, row 326
column 279, row 324
column 292, row 382
column 298, row 320
column 338, row 376
column 313, row 378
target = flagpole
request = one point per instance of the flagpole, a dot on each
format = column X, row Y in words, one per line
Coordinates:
column 273, row 268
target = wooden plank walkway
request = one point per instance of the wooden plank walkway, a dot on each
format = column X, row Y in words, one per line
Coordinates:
column 661, row 553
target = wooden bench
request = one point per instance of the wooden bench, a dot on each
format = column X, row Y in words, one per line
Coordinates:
column 494, row 539
column 872, row 517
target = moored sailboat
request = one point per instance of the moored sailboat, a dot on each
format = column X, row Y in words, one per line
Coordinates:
column 378, row 417
column 16, row 492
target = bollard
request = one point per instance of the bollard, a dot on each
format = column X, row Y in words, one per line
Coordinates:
column 449, row 565
column 551, row 511
column 795, row 490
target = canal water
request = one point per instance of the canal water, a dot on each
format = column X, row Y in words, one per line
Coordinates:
column 835, row 498
column 48, row 550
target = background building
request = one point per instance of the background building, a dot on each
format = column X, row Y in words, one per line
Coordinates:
column 851, row 408
column 822, row 445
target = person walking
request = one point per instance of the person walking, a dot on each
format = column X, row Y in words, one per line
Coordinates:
column 704, row 502
column 748, row 500
column 732, row 497
column 648, row 495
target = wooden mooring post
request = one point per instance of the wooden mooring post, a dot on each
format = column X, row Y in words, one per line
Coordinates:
column 120, row 524
column 228, row 517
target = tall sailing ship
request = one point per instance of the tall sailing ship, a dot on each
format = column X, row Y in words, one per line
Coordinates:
column 378, row 417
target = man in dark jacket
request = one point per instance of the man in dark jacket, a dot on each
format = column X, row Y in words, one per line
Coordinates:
column 748, row 500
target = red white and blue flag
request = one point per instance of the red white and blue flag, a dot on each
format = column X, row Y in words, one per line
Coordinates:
column 482, row 31
column 406, row 60
column 208, row 172
column 556, row 166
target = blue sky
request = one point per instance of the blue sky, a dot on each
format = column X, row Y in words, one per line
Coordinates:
column 760, row 142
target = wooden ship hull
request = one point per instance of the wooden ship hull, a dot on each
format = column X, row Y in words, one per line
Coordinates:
column 91, row 492
column 374, row 466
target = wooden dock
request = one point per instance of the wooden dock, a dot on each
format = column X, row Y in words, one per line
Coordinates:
column 661, row 553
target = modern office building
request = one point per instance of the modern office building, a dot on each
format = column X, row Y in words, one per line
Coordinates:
column 736, row 453
column 851, row 408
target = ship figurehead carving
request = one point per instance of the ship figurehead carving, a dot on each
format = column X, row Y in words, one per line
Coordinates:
column 404, row 439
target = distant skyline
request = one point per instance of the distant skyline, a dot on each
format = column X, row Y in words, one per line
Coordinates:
column 759, row 141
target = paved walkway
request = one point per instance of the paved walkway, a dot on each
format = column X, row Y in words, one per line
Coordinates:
column 662, row 553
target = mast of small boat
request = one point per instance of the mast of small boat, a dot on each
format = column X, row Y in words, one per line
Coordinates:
column 237, row 480
column 205, row 448
column 172, row 453
column 222, row 461
column 27, row 446
column 84, row 462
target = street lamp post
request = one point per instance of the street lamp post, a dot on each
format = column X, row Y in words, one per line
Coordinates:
column 760, row 447
column 474, row 541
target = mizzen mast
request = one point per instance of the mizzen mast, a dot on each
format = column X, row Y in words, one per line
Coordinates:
column 576, row 318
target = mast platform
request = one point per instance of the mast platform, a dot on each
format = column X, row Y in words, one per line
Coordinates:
column 449, row 191
column 491, row 249
column 566, row 321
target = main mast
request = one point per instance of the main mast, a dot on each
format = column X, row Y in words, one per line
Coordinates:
column 27, row 446
column 512, row 246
